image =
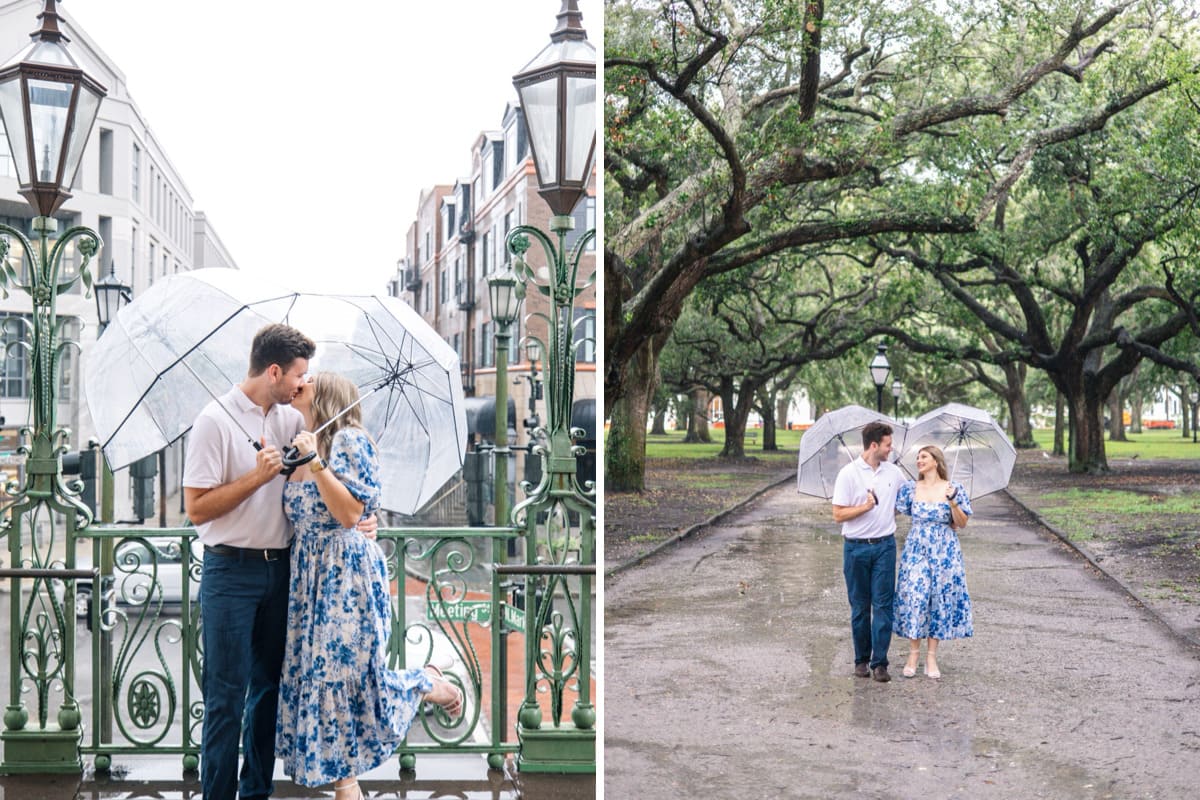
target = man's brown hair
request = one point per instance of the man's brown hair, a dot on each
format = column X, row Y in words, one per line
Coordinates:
column 873, row 433
column 278, row 344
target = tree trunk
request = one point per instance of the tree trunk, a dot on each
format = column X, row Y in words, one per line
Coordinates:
column 1059, row 410
column 1086, row 428
column 770, row 424
column 659, row 427
column 1116, row 416
column 769, row 440
column 1021, row 427
column 736, row 415
column 698, row 431
column 625, row 443
column 782, row 406
column 1135, row 415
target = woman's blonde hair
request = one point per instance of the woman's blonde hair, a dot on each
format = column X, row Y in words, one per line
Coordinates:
column 939, row 458
column 331, row 394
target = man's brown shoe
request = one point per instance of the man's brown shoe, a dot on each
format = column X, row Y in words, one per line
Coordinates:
column 880, row 674
column 862, row 670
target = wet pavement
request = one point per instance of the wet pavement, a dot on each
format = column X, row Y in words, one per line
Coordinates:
column 161, row 778
column 729, row 671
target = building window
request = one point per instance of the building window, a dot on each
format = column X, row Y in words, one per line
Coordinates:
column 425, row 294
column 7, row 170
column 135, row 170
column 487, row 345
column 14, row 380
column 150, row 264
column 444, row 295
column 70, row 360
column 106, row 161
column 585, row 335
column 133, row 259
column 483, row 254
column 584, row 216
column 458, row 345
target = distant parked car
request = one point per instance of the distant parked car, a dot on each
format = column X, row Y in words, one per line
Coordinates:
column 141, row 577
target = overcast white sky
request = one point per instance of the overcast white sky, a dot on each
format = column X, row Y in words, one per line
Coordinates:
column 306, row 131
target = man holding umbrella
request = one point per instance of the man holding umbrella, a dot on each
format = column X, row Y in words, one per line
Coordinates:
column 864, row 502
column 233, row 491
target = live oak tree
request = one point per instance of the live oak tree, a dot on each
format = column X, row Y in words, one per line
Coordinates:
column 1071, row 276
column 741, row 129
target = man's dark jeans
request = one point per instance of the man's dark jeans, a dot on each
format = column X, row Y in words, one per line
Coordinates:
column 870, row 570
column 243, row 607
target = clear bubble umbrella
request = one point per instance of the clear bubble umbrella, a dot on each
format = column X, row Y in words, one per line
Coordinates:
column 978, row 452
column 186, row 341
column 831, row 443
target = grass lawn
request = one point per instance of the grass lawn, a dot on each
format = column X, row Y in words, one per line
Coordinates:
column 1156, row 444
column 673, row 446
column 1080, row 512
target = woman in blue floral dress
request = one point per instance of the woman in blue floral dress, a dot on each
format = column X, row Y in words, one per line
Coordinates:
column 931, row 589
column 341, row 710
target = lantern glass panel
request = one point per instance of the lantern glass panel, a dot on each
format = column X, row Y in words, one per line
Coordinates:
column 85, row 115
column 581, row 126
column 12, row 117
column 49, row 105
column 540, row 103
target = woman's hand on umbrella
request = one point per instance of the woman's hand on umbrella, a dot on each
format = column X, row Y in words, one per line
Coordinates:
column 305, row 442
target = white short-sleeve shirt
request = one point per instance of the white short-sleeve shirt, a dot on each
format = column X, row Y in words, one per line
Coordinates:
column 219, row 453
column 850, row 489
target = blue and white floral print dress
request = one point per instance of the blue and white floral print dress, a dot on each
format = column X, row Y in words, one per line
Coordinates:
column 931, row 588
column 341, row 710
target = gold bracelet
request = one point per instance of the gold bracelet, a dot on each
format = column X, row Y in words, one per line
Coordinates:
column 317, row 465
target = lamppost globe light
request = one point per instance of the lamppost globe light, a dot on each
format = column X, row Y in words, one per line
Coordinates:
column 897, row 388
column 48, row 106
column 879, row 369
column 505, row 293
column 879, row 366
column 558, row 97
column 111, row 294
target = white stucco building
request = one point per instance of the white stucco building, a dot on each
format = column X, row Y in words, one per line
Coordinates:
column 129, row 192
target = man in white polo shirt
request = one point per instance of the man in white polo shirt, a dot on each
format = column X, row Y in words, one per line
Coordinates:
column 864, row 502
column 234, row 495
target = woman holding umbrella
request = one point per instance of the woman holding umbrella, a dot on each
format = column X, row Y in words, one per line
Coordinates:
column 931, row 589
column 341, row 710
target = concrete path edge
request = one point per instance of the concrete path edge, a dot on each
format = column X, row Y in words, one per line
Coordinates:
column 1129, row 590
column 679, row 537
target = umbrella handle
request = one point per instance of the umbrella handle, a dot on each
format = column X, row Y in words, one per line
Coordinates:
column 293, row 459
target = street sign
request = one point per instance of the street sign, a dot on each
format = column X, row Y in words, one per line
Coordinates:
column 478, row 611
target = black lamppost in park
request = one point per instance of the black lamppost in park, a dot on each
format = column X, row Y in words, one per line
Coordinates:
column 879, row 369
column 48, row 106
column 897, row 390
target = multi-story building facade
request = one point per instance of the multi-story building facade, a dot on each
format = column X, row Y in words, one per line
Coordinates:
column 129, row 192
column 458, row 242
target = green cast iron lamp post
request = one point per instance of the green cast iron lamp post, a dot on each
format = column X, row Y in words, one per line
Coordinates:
column 505, row 294
column 48, row 106
column 558, row 99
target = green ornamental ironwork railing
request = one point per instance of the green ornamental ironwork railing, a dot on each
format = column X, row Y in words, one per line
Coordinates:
column 143, row 615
